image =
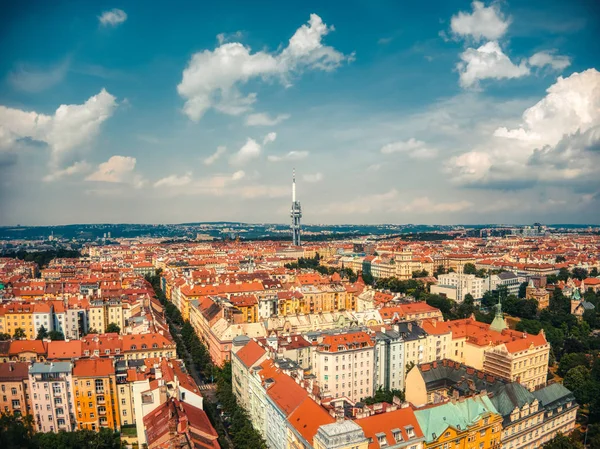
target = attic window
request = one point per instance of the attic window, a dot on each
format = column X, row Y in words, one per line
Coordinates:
column 381, row 439
column 410, row 431
column 397, row 435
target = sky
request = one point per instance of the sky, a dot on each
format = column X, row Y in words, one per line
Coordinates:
column 454, row 112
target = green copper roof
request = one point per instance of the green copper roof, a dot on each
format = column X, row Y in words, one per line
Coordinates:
column 435, row 420
column 511, row 396
column 553, row 393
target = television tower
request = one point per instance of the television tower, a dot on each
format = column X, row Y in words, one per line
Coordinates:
column 296, row 213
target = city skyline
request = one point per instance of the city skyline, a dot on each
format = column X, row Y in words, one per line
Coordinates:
column 468, row 112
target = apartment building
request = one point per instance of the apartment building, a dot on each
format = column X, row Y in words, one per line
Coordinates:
column 471, row 422
column 528, row 418
column 52, row 397
column 343, row 364
column 19, row 316
column 457, row 285
column 14, row 388
column 94, row 383
column 513, row 355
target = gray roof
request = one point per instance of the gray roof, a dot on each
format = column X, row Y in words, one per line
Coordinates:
column 554, row 395
column 449, row 374
column 510, row 396
column 51, row 367
column 505, row 275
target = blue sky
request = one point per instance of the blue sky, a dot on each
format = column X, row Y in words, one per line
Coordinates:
column 390, row 112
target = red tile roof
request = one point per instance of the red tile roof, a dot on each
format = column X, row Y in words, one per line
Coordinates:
column 93, row 368
column 251, row 353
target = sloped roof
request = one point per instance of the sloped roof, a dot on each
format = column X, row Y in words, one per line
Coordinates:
column 250, row 353
column 510, row 396
column 553, row 393
column 308, row 417
column 435, row 420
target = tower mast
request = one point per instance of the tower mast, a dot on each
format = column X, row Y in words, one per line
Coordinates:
column 295, row 213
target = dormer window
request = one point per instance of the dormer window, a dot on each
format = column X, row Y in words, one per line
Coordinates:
column 381, row 439
column 144, row 346
column 397, row 435
column 133, row 347
column 410, row 431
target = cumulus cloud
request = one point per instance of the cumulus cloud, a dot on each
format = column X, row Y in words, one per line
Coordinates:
column 113, row 17
column 548, row 58
column 487, row 62
column 557, row 142
column 262, row 119
column 118, row 169
column 69, row 128
column 312, row 178
column 483, row 23
column 250, row 150
column 174, row 180
column 414, row 148
column 291, row 156
column 215, row 156
column 212, row 79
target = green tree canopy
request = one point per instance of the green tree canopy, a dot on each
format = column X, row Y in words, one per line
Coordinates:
column 19, row 334
column 561, row 441
column 42, row 333
column 56, row 335
column 113, row 327
column 469, row 268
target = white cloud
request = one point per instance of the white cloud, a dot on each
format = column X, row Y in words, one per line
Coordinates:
column 215, row 156
column 36, row 79
column 558, row 142
column 415, row 149
column 113, row 17
column 174, row 181
column 240, row 174
column 487, row 62
column 483, row 23
column 212, row 78
column 262, row 119
column 118, row 169
column 548, row 58
column 269, row 138
column 315, row 177
column 291, row 156
column 75, row 169
column 571, row 104
column 374, row 167
column 250, row 150
column 70, row 127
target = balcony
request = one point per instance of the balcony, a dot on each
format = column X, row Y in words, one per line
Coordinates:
column 101, row 400
column 99, row 390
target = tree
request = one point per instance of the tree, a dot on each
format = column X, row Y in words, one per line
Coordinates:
column 579, row 381
column 563, row 274
column 56, row 335
column 113, row 327
column 420, row 274
column 594, row 272
column 19, row 334
column 580, row 273
column 382, row 395
column 4, row 336
column 439, row 270
column 560, row 259
column 42, row 333
column 570, row 361
column 561, row 441
column 469, row 268
column 367, row 278
column 523, row 289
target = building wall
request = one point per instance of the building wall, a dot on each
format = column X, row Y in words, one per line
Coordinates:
column 345, row 373
column 96, row 403
column 14, row 397
column 126, row 408
column 52, row 401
